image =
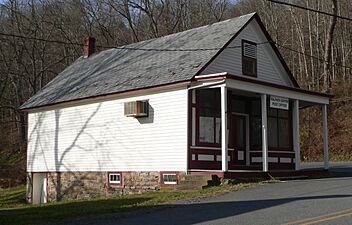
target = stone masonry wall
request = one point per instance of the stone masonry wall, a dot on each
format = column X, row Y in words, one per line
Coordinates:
column 78, row 185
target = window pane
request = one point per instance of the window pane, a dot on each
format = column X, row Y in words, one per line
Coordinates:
column 170, row 178
column 206, row 129
column 284, row 133
column 249, row 66
column 209, row 98
column 115, row 178
column 256, row 133
column 272, row 132
column 218, row 130
column 206, row 112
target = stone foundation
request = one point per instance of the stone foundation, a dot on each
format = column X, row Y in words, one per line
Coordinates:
column 79, row 185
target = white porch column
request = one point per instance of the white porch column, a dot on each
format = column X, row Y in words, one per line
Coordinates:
column 296, row 135
column 325, row 136
column 264, row 133
column 224, row 138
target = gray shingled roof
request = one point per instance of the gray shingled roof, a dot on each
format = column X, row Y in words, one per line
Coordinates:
column 118, row 70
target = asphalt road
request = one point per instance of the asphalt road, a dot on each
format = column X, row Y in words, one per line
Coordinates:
column 317, row 201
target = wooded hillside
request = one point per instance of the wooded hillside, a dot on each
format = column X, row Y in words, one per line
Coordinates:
column 40, row 38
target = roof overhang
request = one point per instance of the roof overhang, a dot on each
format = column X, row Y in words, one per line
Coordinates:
column 261, row 87
column 110, row 96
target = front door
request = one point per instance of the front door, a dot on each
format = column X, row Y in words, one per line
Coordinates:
column 239, row 139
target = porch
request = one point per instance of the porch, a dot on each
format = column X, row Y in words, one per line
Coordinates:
column 244, row 125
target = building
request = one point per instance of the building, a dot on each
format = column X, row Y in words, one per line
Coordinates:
column 216, row 99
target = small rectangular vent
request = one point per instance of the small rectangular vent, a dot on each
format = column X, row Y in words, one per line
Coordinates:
column 249, row 50
column 137, row 108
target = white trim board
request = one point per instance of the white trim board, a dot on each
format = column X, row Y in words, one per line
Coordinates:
column 264, row 89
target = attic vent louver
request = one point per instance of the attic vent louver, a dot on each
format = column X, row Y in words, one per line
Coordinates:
column 136, row 109
column 249, row 50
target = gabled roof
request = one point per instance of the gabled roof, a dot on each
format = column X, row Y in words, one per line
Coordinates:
column 141, row 65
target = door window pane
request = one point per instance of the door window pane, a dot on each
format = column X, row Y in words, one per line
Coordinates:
column 240, row 132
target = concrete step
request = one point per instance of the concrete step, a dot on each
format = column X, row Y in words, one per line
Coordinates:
column 197, row 182
column 196, row 177
column 191, row 182
column 200, row 179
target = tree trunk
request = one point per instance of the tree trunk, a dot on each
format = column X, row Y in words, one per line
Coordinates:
column 327, row 51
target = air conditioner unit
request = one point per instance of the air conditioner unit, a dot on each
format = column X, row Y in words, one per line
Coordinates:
column 137, row 108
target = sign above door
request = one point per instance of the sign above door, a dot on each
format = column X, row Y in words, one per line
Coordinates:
column 279, row 102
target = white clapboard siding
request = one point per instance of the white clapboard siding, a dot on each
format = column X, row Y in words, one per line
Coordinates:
column 269, row 67
column 98, row 137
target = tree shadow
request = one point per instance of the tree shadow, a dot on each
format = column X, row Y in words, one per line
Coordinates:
column 60, row 156
column 64, row 210
column 41, row 142
column 182, row 214
column 111, row 211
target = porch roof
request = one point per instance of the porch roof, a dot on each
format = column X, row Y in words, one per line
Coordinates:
column 261, row 87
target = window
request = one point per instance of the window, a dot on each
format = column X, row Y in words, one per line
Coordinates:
column 279, row 129
column 249, row 58
column 209, row 120
column 115, row 178
column 255, row 125
column 169, row 178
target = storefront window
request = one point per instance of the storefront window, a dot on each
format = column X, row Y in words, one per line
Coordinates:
column 279, row 129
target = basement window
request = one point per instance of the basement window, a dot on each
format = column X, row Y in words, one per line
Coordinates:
column 249, row 58
column 169, row 178
column 115, row 178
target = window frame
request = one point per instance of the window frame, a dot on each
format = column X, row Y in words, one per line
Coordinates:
column 215, row 116
column 115, row 183
column 246, row 58
column 162, row 182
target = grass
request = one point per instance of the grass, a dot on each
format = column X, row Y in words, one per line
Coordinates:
column 14, row 210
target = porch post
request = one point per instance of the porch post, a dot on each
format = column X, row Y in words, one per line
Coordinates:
column 296, row 135
column 264, row 133
column 325, row 136
column 224, row 138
